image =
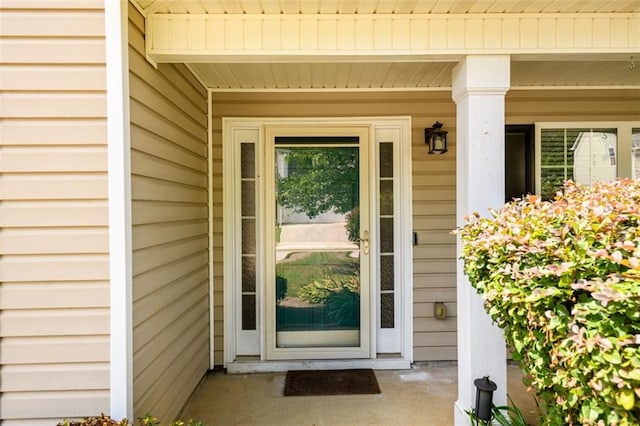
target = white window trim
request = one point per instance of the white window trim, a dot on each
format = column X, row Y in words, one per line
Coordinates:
column 405, row 270
column 624, row 141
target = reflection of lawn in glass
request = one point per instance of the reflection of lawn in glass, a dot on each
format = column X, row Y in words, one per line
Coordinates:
column 300, row 269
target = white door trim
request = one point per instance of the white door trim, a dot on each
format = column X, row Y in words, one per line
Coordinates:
column 212, row 301
column 403, row 272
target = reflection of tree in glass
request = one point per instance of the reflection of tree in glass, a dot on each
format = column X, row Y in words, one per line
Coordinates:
column 320, row 180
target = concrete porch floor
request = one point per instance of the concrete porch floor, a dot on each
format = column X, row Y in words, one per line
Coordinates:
column 423, row 395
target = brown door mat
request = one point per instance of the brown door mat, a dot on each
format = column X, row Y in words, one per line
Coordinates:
column 330, row 382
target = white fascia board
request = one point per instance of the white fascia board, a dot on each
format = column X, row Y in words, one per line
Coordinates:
column 272, row 38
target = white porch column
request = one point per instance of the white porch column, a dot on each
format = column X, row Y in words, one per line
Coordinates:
column 479, row 86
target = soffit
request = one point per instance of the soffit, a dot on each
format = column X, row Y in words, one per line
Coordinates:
column 405, row 75
column 395, row 72
column 387, row 6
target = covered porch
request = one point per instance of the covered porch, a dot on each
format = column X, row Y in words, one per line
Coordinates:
column 121, row 250
column 479, row 68
column 422, row 395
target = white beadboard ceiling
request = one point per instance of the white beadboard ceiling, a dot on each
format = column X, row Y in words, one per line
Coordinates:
column 405, row 75
column 399, row 75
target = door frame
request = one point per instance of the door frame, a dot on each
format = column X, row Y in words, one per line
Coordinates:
column 379, row 127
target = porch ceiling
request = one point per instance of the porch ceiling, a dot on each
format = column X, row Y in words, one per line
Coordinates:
column 397, row 72
column 405, row 75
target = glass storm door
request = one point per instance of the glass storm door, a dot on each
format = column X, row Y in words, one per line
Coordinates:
column 317, row 277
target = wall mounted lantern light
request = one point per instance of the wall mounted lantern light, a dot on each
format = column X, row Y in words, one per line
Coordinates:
column 484, row 398
column 436, row 138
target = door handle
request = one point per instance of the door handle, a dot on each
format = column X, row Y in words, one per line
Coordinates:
column 365, row 242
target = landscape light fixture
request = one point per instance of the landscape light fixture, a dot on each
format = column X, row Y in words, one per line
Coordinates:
column 484, row 398
column 436, row 138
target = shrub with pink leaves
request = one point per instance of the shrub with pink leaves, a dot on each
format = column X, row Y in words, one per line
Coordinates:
column 562, row 279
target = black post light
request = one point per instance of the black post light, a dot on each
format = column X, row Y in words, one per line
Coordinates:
column 484, row 398
column 436, row 138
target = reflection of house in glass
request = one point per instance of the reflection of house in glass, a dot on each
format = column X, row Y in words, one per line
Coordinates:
column 594, row 157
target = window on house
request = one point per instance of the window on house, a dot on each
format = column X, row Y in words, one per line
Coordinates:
column 585, row 155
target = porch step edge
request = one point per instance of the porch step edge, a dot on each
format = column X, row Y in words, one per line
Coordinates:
column 246, row 367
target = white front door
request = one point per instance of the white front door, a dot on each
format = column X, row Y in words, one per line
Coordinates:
column 318, row 242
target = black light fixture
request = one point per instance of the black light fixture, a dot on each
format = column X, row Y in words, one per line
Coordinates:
column 436, row 138
column 484, row 398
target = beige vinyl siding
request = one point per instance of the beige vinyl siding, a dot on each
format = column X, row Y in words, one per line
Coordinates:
column 529, row 106
column 434, row 180
column 170, row 231
column 434, row 216
column 54, row 262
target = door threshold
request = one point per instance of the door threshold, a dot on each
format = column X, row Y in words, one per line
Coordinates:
column 245, row 367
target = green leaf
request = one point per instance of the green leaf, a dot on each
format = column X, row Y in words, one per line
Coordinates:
column 626, row 398
column 555, row 322
column 612, row 356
